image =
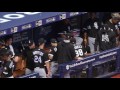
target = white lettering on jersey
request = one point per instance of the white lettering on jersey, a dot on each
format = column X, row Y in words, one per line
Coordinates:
column 89, row 27
column 105, row 38
column 95, row 25
column 37, row 56
column 78, row 50
column 55, row 49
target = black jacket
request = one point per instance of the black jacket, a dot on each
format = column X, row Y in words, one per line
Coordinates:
column 65, row 52
column 106, row 38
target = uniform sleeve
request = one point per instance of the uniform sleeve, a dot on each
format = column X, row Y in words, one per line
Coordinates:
column 72, row 52
column 46, row 58
column 113, row 41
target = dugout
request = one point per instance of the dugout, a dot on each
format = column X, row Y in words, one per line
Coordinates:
column 23, row 26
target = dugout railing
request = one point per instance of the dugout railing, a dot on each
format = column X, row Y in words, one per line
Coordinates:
column 100, row 65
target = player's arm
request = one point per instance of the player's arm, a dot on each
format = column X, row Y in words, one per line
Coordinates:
column 47, row 64
column 88, row 53
column 51, row 54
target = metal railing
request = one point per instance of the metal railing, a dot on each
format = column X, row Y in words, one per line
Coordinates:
column 88, row 65
column 99, row 60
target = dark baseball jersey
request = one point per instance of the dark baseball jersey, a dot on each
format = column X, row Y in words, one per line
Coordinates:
column 65, row 52
column 106, row 38
column 8, row 68
column 92, row 26
column 113, row 27
column 53, row 51
column 79, row 50
column 40, row 57
column 29, row 59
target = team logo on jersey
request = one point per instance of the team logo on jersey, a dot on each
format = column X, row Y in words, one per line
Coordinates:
column 55, row 49
column 96, row 25
column 89, row 27
column 116, row 27
column 112, row 30
column 67, row 67
column 105, row 38
column 5, row 68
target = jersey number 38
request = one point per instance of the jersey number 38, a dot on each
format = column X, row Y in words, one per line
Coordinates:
column 79, row 52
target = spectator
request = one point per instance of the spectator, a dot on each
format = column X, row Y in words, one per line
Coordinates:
column 92, row 26
column 85, row 45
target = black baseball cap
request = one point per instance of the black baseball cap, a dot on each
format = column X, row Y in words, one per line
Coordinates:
column 41, row 41
column 68, row 36
column 30, row 42
column 53, row 40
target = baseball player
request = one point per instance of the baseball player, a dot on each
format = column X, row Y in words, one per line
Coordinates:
column 40, row 59
column 107, row 36
column 29, row 57
column 78, row 49
column 53, row 56
column 8, row 65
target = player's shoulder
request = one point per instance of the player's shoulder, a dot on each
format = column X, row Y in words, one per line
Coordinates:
column 9, row 63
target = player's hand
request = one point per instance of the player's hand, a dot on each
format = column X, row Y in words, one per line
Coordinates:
column 79, row 58
column 50, row 56
column 49, row 74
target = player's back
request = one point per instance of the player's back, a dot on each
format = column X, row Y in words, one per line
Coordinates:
column 79, row 50
column 65, row 52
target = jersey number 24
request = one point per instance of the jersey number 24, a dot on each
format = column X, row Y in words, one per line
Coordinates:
column 37, row 59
